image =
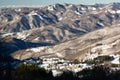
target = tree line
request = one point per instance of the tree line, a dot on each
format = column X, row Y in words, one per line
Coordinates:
column 33, row 72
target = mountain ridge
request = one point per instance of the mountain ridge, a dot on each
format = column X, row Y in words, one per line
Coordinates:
column 61, row 25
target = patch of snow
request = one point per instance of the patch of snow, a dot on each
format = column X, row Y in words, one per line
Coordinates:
column 7, row 34
column 83, row 8
column 18, row 10
column 113, row 44
column 100, row 23
column 45, row 16
column 38, row 49
column 115, row 61
column 54, row 6
column 115, row 68
column 34, row 13
column 85, row 66
column 70, row 6
column 112, row 11
column 43, row 65
column 77, row 70
column 92, row 8
column 60, row 18
column 50, row 8
column 56, row 73
column 59, row 55
column 78, row 13
column 36, row 39
column 118, row 11
column 40, row 17
column 22, row 36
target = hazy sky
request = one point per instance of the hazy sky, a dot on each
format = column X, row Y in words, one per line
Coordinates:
column 48, row 2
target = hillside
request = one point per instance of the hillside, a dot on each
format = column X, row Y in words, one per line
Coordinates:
column 60, row 30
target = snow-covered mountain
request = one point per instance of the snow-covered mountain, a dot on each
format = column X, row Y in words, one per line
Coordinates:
column 61, row 30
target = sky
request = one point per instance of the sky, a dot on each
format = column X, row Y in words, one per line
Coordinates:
column 49, row 2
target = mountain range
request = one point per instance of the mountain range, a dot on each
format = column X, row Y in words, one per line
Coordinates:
column 61, row 30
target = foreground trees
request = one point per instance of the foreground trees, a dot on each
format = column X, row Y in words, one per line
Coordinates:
column 33, row 72
column 5, row 67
